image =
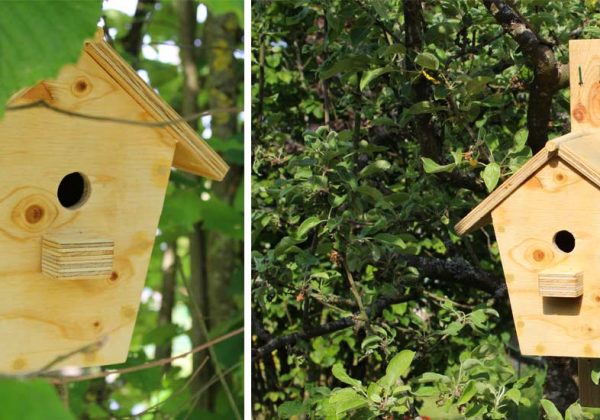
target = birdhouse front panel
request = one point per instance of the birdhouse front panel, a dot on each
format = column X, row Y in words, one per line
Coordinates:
column 548, row 233
column 79, row 208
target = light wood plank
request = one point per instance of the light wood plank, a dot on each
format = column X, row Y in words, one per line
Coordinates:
column 192, row 153
column 128, row 168
column 525, row 224
column 584, row 58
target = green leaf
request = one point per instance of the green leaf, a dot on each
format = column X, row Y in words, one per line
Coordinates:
column 39, row 38
column 491, row 175
column 575, row 412
column 31, row 400
column 339, row 372
column 291, row 408
column 372, row 339
column 595, row 377
column 520, row 140
column 371, row 75
column 453, row 328
column 432, row 167
column 514, row 395
column 550, row 409
column 425, row 391
column 346, row 399
column 423, row 107
column 398, row 367
column 307, row 225
column 375, row 167
column 427, row 60
column 348, row 64
column 390, row 239
column 219, row 7
column 374, row 392
column 468, row 393
column 369, row 191
column 433, row 377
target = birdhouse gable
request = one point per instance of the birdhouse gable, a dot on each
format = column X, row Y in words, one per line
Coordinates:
column 192, row 153
column 579, row 150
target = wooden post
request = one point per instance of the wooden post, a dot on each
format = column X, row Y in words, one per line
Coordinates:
column 584, row 67
column 589, row 394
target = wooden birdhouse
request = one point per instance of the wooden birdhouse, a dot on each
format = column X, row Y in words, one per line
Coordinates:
column 546, row 217
column 79, row 208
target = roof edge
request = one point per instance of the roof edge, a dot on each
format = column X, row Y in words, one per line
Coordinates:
column 192, row 154
column 480, row 215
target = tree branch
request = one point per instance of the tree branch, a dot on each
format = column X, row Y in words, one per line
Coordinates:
column 373, row 311
column 430, row 142
column 132, row 42
column 458, row 270
column 549, row 74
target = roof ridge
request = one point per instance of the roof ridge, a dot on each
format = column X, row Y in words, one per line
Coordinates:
column 560, row 147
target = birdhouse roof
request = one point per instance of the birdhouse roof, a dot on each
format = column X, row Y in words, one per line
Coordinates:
column 580, row 150
column 192, row 152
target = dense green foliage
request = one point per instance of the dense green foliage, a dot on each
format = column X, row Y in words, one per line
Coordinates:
column 31, row 52
column 369, row 144
column 173, row 318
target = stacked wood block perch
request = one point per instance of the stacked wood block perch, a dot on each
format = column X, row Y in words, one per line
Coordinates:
column 77, row 258
column 79, row 209
column 560, row 284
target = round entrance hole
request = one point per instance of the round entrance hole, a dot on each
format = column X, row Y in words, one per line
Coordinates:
column 565, row 241
column 73, row 190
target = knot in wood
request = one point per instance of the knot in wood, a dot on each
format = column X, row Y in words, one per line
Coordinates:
column 34, row 213
column 81, row 87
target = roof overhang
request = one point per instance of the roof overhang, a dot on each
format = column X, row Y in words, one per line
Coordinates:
column 580, row 149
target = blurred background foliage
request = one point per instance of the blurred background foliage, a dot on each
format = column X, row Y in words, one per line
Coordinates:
column 377, row 125
column 191, row 53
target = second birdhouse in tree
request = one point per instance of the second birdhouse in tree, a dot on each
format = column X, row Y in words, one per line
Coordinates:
column 547, row 222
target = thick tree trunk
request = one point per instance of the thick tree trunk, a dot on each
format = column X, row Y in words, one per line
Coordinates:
column 215, row 255
column 414, row 26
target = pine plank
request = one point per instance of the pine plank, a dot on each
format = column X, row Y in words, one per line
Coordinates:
column 192, row 153
column 128, row 168
column 525, row 224
column 584, row 58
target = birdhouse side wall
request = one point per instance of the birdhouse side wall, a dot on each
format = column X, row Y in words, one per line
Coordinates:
column 555, row 199
column 127, row 169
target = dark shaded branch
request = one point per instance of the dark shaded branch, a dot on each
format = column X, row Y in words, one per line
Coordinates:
column 549, row 74
column 458, row 270
column 373, row 311
column 132, row 42
column 430, row 142
column 559, row 386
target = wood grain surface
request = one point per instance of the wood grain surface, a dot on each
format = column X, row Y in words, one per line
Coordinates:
column 128, row 169
column 555, row 198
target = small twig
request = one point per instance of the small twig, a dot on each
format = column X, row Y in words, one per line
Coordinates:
column 210, row 383
column 63, row 392
column 375, row 309
column 190, row 118
column 174, row 394
column 148, row 365
column 354, row 290
column 213, row 354
column 88, row 348
column 446, row 299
